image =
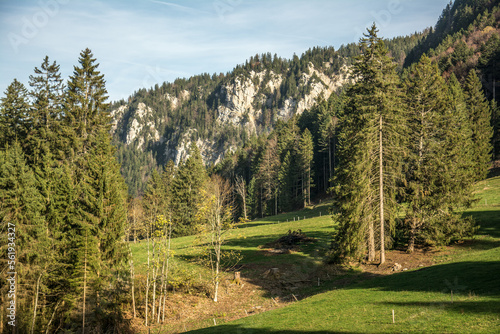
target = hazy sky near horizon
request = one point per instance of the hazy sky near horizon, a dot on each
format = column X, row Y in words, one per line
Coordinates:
column 139, row 43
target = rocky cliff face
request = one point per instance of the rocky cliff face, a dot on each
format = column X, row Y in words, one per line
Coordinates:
column 241, row 104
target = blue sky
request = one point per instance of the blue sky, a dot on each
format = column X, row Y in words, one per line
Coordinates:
column 139, row 43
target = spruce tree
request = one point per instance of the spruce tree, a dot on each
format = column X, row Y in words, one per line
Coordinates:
column 329, row 114
column 438, row 165
column 366, row 180
column 426, row 101
column 86, row 111
column 306, row 154
column 480, row 118
column 98, row 192
column 46, row 112
column 14, row 115
column 21, row 207
column 268, row 177
column 188, row 181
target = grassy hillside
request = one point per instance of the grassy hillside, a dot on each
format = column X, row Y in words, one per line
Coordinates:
column 459, row 294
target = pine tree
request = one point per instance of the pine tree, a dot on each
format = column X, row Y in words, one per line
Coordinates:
column 306, row 154
column 99, row 196
column 268, row 176
column 186, row 186
column 371, row 145
column 46, row 112
column 14, row 116
column 426, row 102
column 86, row 111
column 20, row 214
column 329, row 114
column 439, row 166
column 480, row 118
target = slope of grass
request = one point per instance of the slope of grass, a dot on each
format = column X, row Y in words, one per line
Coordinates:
column 248, row 239
column 459, row 295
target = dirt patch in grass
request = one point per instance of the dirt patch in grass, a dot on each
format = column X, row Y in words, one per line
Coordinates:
column 286, row 244
column 399, row 260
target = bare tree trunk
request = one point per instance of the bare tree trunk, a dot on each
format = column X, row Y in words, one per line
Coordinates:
column 217, row 263
column 84, row 285
column 411, row 239
column 304, row 190
column 329, row 162
column 147, row 282
column 52, row 317
column 276, row 202
column 371, row 239
column 166, row 270
column 132, row 276
column 309, row 186
column 155, row 276
column 381, row 191
column 36, row 303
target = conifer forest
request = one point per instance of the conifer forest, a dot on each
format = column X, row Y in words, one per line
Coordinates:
column 395, row 149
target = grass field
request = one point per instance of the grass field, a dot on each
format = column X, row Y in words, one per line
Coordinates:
column 460, row 293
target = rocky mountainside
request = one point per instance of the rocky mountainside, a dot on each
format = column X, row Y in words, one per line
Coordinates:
column 242, row 105
column 221, row 112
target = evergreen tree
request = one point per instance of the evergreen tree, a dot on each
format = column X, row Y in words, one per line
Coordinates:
column 480, row 118
column 14, row 116
column 372, row 148
column 268, row 177
column 329, row 113
column 98, row 255
column 432, row 166
column 86, row 111
column 188, row 181
column 306, row 154
column 21, row 206
column 46, row 111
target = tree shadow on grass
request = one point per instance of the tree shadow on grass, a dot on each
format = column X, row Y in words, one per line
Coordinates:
column 476, row 277
column 487, row 307
column 489, row 222
column 238, row 329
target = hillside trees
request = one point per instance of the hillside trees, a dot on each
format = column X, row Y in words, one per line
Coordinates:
column 479, row 118
column 98, row 225
column 189, row 180
column 370, row 165
column 76, row 200
column 15, row 121
column 442, row 141
column 437, row 167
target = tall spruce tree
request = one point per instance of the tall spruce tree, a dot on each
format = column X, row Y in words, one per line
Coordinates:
column 21, row 207
column 306, row 155
column 480, row 119
column 426, row 104
column 371, row 145
column 99, row 196
column 47, row 89
column 186, row 186
column 439, row 164
column 86, row 111
column 329, row 114
column 14, row 115
column 268, row 177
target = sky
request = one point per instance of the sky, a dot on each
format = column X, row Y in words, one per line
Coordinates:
column 139, row 43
